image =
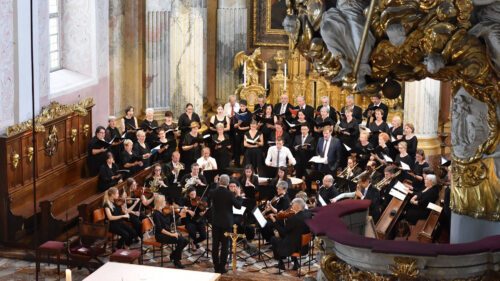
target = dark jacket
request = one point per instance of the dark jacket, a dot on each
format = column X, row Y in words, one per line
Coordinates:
column 295, row 226
column 222, row 202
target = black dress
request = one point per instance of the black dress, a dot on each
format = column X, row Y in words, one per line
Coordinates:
column 253, row 155
column 412, row 146
column 239, row 134
column 151, row 133
column 125, row 158
column 164, row 222
column 320, row 123
column 395, row 132
column 130, row 128
column 267, row 132
column 94, row 162
column 185, row 123
column 376, row 130
column 172, row 139
column 140, row 150
column 363, row 153
column 351, row 128
column 420, row 211
column 116, row 147
column 121, row 228
column 105, row 176
column 217, row 121
column 188, row 157
column 221, row 151
column 418, row 170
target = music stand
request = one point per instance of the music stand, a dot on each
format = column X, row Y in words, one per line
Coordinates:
column 261, row 223
column 343, row 182
column 210, row 175
column 313, row 175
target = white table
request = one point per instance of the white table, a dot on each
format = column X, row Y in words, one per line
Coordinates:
column 113, row 271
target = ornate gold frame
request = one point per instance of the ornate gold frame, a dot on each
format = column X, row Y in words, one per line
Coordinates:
column 262, row 35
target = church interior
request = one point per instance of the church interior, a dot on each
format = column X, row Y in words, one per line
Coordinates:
column 250, row 140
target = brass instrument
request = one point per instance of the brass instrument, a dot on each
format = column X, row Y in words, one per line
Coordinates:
column 356, row 179
column 345, row 173
column 190, row 182
column 177, row 168
column 386, row 181
column 156, row 184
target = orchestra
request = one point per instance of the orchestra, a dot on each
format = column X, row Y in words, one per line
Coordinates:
column 337, row 154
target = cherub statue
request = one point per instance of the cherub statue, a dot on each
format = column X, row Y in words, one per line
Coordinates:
column 252, row 65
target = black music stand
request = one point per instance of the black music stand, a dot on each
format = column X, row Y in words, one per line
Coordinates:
column 261, row 223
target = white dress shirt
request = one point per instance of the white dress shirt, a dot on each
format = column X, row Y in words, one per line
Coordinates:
column 272, row 157
column 283, row 108
column 325, row 154
column 207, row 164
column 227, row 108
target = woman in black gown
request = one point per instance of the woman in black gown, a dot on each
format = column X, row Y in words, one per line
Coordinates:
column 129, row 160
column 221, row 147
column 267, row 121
column 418, row 170
column 253, row 143
column 186, row 119
column 130, row 124
column 191, row 146
column 301, row 120
column 171, row 134
column 220, row 118
column 378, row 126
column 410, row 139
column 321, row 121
column 96, row 153
column 107, row 173
column 417, row 209
column 363, row 149
column 142, row 149
column 349, row 132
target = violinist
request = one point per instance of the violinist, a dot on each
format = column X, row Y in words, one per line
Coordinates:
column 116, row 219
column 156, row 180
column 279, row 203
column 145, row 196
column 194, row 179
column 195, row 219
column 130, row 206
column 166, row 230
column 291, row 234
column 107, row 173
column 281, row 175
column 326, row 191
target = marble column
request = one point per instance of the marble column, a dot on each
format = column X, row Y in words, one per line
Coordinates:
column 231, row 39
column 422, row 110
column 157, row 58
column 188, row 48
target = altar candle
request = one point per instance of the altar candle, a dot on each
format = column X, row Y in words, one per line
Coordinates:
column 284, row 88
column 245, row 74
column 68, row 274
column 265, row 75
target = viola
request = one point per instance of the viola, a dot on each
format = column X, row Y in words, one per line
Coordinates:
column 285, row 214
column 199, row 204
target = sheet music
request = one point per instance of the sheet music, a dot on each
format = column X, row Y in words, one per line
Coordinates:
column 345, row 195
column 387, row 158
column 263, row 180
column 405, row 166
column 434, row 207
column 393, row 139
column 206, row 136
column 290, row 124
column 259, row 217
column 395, row 193
column 321, row 200
column 347, row 147
column 401, row 187
column 318, row 159
column 239, row 211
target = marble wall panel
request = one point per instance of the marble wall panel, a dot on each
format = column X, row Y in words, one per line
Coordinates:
column 6, row 63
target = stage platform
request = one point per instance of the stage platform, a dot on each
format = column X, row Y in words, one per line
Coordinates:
column 113, row 271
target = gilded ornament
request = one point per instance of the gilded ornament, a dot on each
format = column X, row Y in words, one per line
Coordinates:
column 51, row 142
column 86, row 130
column 15, row 160
column 31, row 151
column 74, row 133
column 404, row 269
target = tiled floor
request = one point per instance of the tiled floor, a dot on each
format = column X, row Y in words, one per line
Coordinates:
column 249, row 269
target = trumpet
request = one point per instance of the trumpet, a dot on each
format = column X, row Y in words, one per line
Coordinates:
column 345, row 173
column 386, row 181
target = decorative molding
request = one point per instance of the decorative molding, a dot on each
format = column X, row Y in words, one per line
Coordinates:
column 263, row 34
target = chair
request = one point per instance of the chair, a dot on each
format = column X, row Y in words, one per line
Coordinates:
column 90, row 243
column 50, row 248
column 99, row 216
column 147, row 226
column 304, row 249
column 125, row 256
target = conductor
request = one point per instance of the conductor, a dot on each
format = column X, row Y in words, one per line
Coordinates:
column 222, row 201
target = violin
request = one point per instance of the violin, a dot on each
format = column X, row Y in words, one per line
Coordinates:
column 199, row 204
column 167, row 210
column 282, row 215
column 139, row 191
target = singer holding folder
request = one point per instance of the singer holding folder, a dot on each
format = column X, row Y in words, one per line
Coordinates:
column 328, row 147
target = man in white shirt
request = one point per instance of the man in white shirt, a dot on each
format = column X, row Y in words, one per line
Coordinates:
column 277, row 155
column 231, row 107
column 205, row 161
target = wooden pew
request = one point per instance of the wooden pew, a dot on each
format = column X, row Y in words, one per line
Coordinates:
column 390, row 216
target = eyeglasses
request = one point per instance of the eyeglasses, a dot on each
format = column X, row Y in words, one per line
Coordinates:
column 157, row 170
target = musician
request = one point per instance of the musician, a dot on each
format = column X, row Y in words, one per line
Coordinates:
column 129, row 160
column 220, row 118
column 282, row 109
column 108, row 176
column 113, row 134
column 231, row 107
column 241, row 220
column 259, row 106
column 329, row 147
column 418, row 203
column 130, row 124
column 281, row 175
column 327, row 191
column 156, row 181
column 291, row 235
column 372, row 169
column 116, row 219
column 322, row 121
column 403, row 155
column 418, row 170
column 267, row 121
column 357, row 112
column 164, row 153
column 253, row 142
column 166, row 230
column 241, row 128
column 277, row 156
column 221, row 147
column 173, row 168
column 195, row 220
column 377, row 126
column 363, row 149
column 130, row 206
column 250, row 183
column 142, row 149
column 96, row 151
column 349, row 132
column 376, row 102
column 206, row 162
column 280, row 202
column 194, row 179
column 390, row 179
column 306, row 109
column 222, row 203
column 191, row 145
column 352, row 170
column 149, row 125
column 396, row 131
column 304, row 147
column 382, row 148
column 138, row 193
column 296, row 124
column 279, row 132
column 411, row 139
column 186, row 120
column 330, row 110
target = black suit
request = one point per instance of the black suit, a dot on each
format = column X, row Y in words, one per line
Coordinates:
column 223, row 201
column 357, row 113
column 381, row 106
column 373, row 194
column 277, row 109
column 332, row 113
column 333, row 156
column 302, row 153
column 327, row 193
column 268, row 230
column 291, row 236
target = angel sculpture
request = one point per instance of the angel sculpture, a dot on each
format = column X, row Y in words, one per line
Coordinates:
column 251, row 66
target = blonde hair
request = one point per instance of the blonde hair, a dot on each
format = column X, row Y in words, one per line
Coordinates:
column 397, row 118
column 107, row 197
column 159, row 201
column 410, row 125
column 140, row 133
column 364, row 134
column 403, row 144
column 127, row 142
